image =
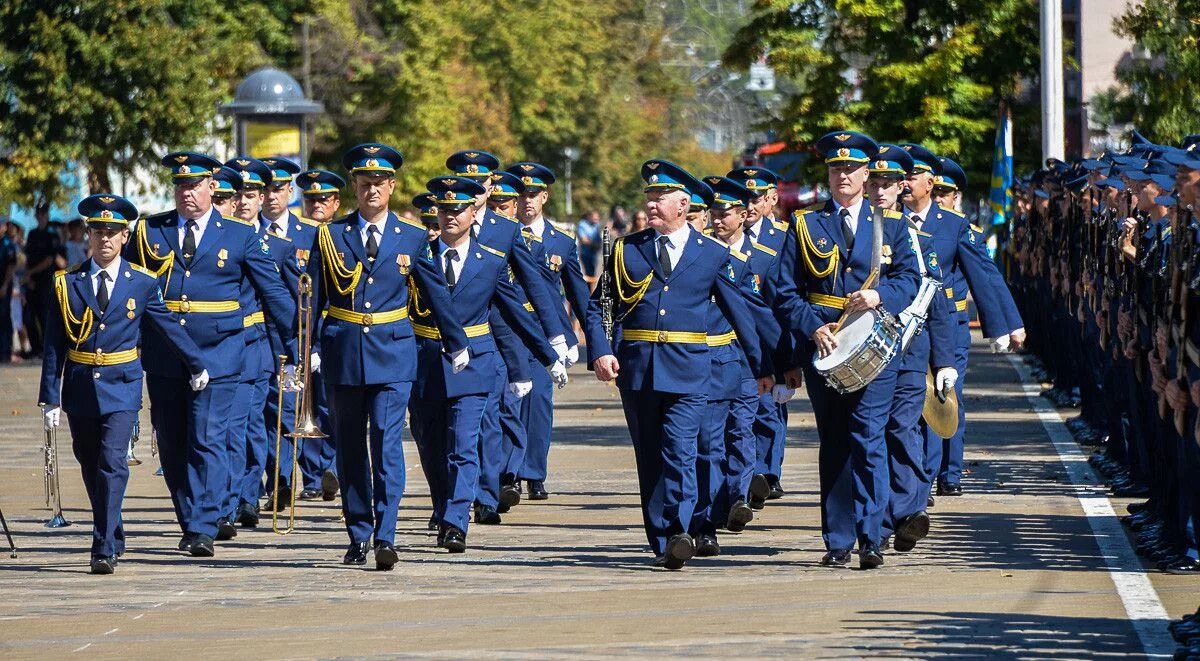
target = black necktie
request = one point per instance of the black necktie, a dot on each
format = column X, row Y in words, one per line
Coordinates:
column 750, row 233
column 189, row 240
column 664, row 258
column 372, row 242
column 527, row 234
column 276, row 229
column 474, row 232
column 451, row 255
column 917, row 221
column 102, row 291
column 847, row 229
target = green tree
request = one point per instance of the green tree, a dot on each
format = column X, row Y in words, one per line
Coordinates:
column 928, row 71
column 1159, row 87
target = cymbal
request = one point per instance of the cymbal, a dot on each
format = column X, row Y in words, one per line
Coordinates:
column 940, row 415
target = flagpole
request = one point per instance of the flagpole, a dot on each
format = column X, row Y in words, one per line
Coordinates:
column 1053, row 112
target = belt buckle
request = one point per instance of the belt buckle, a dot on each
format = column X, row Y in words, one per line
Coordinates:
column 99, row 356
column 662, row 336
column 185, row 306
column 366, row 319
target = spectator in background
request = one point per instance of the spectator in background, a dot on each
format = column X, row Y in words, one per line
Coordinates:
column 16, row 298
column 44, row 253
column 8, row 271
column 587, row 233
column 620, row 220
column 76, row 245
column 639, row 222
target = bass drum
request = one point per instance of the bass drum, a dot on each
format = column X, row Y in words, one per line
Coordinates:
column 867, row 341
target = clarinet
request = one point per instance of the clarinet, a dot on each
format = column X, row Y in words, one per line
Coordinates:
column 606, row 284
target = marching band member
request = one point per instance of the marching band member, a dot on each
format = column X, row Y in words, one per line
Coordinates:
column 92, row 336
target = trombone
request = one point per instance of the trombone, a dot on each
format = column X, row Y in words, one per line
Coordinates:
column 306, row 424
column 51, row 482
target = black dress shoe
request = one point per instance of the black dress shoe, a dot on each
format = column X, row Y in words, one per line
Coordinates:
column 356, row 554
column 486, row 515
column 329, row 485
column 441, row 536
column 185, row 542
column 886, row 544
column 739, row 515
column 777, row 491
column 950, row 489
column 836, row 558
column 225, row 530
column 760, row 489
column 870, row 557
column 433, row 522
column 455, row 540
column 510, row 496
column 247, row 515
column 385, row 556
column 1131, row 490
column 680, row 549
column 537, row 490
column 104, row 565
column 910, row 530
column 1184, row 566
column 285, row 500
column 310, row 494
column 930, row 502
column 707, row 547
column 202, row 547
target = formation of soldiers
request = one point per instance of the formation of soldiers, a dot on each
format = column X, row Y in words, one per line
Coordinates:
column 1105, row 263
column 338, row 332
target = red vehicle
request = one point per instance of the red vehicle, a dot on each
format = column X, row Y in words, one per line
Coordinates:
column 788, row 162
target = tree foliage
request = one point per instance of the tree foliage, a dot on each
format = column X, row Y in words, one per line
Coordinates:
column 928, row 71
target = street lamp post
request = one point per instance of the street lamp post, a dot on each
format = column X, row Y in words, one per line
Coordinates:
column 570, row 154
column 270, row 113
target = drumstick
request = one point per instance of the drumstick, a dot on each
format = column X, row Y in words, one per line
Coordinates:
column 870, row 282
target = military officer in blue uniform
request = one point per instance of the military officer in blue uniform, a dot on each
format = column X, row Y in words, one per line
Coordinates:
column 931, row 348
column 447, row 405
column 767, row 235
column 664, row 280
column 92, row 336
column 361, row 270
column 202, row 262
column 727, row 450
column 224, row 198
column 320, row 192
column 830, row 258
column 557, row 254
column 965, row 265
column 502, row 233
column 426, row 205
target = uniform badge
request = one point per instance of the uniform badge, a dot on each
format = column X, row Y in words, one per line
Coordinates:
column 757, row 280
column 302, row 257
column 370, row 150
column 555, row 262
column 886, row 257
column 131, row 306
column 729, row 272
column 222, row 254
column 341, row 256
column 822, row 242
column 155, row 247
column 405, row 263
column 933, row 263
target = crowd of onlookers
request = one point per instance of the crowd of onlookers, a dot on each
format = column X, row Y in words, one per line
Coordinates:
column 589, row 234
column 28, row 260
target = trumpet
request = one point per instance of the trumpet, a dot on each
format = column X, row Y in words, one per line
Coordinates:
column 51, row 482
column 306, row 423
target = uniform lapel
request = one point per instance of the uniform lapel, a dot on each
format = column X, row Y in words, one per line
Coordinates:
column 863, row 236
column 389, row 241
column 212, row 235
column 832, row 224
column 352, row 239
column 648, row 249
column 83, row 287
column 170, row 232
column 119, row 288
column 472, row 265
column 691, row 251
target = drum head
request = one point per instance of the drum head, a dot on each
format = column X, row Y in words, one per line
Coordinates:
column 851, row 336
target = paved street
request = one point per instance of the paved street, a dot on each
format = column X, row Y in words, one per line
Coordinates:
column 1014, row 568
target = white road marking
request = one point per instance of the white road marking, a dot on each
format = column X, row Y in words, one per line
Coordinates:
column 80, row 649
column 1146, row 612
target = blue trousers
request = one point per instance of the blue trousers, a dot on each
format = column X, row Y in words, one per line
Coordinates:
column 371, row 470
column 271, row 417
column 852, row 459
column 194, row 437
column 99, row 445
column 725, row 458
column 944, row 457
column 664, row 428
column 906, row 450
column 491, row 450
column 248, row 482
column 318, row 454
column 770, row 431
column 515, row 438
column 447, row 434
column 537, row 416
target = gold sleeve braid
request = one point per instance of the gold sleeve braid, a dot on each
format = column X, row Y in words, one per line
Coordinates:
column 637, row 288
column 342, row 279
column 808, row 250
column 77, row 328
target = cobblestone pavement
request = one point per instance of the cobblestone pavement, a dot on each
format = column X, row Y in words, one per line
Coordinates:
column 1012, row 568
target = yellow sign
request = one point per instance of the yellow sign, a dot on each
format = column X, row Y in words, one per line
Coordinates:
column 264, row 140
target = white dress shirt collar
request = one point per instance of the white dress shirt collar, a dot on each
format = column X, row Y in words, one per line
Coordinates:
column 113, row 269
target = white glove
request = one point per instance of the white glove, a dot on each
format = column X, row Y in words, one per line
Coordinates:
column 314, row 362
column 782, row 394
column 520, row 388
column 50, row 415
column 559, row 344
column 290, row 382
column 558, row 374
column 199, row 381
column 572, row 356
column 459, row 360
column 945, row 379
column 1000, row 344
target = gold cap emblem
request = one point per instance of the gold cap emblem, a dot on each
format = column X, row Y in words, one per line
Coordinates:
column 652, row 165
column 842, row 137
column 371, row 150
column 472, row 168
column 108, row 200
column 372, row 163
column 183, row 169
column 245, row 175
column 471, row 154
column 105, row 213
column 448, row 182
column 844, row 153
column 242, row 162
column 528, row 181
column 751, row 173
column 881, row 165
column 527, row 167
column 654, row 179
column 316, row 185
